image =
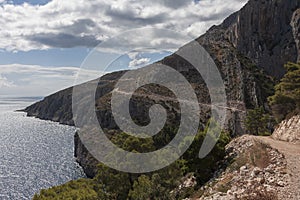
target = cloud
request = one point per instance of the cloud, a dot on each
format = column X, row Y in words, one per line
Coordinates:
column 137, row 60
column 35, row 80
column 3, row 2
column 144, row 39
column 63, row 40
column 81, row 26
column 66, row 24
column 176, row 3
column 4, row 83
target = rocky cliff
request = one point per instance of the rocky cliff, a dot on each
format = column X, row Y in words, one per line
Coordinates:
column 260, row 38
column 55, row 107
column 266, row 31
column 288, row 130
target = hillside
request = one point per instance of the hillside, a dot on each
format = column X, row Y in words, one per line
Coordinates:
column 250, row 49
column 259, row 168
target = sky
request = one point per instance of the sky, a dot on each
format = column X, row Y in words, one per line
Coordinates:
column 45, row 44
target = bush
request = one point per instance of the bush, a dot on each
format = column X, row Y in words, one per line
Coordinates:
column 82, row 189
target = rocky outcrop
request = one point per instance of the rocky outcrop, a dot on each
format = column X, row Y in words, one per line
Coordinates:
column 288, row 130
column 84, row 158
column 255, row 171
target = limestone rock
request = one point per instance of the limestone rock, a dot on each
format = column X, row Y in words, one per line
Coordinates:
column 288, row 130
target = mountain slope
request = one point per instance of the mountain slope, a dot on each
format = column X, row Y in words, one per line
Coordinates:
column 259, row 38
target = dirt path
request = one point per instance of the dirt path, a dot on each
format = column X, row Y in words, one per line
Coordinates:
column 166, row 98
column 292, row 155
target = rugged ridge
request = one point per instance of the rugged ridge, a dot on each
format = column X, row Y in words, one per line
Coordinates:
column 259, row 38
column 266, row 31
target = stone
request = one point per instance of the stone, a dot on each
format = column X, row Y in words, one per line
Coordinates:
column 243, row 168
column 229, row 192
column 281, row 184
column 261, row 180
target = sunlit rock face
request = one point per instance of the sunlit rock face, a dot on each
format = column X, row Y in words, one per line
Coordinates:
column 288, row 130
column 266, row 31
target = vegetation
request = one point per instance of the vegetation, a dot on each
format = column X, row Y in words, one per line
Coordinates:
column 286, row 100
column 162, row 184
column 258, row 122
column 284, row 103
column 83, row 189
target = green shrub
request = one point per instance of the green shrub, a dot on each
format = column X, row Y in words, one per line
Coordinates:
column 258, row 122
column 286, row 100
column 82, row 189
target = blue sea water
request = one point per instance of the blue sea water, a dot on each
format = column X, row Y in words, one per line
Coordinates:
column 34, row 154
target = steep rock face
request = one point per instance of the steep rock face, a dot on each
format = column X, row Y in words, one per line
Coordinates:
column 296, row 29
column 84, row 158
column 246, row 85
column 266, row 32
column 288, row 130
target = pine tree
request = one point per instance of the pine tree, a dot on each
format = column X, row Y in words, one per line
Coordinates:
column 286, row 100
column 257, row 122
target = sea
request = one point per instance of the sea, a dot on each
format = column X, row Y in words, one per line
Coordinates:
column 34, row 154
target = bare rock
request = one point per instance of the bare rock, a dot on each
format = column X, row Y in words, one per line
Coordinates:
column 288, row 130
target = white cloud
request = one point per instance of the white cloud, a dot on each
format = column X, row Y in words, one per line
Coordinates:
column 66, row 24
column 139, row 62
column 34, row 80
column 4, row 83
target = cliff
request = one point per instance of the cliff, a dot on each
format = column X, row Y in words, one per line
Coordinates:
column 55, row 107
column 249, row 48
column 288, row 130
column 266, row 31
